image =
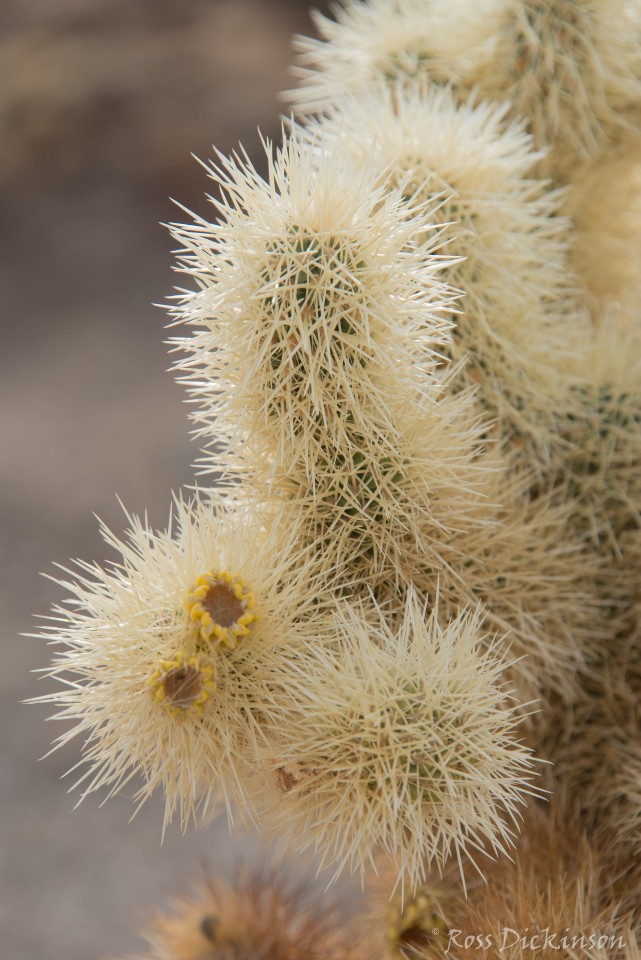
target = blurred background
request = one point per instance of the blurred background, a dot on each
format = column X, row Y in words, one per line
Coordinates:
column 101, row 104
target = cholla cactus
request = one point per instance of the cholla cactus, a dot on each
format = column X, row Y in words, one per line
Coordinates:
column 603, row 433
column 543, row 899
column 427, row 438
column 322, row 309
column 393, row 40
column 261, row 915
column 605, row 203
column 551, row 898
column 163, row 650
column 573, row 68
column 517, row 323
column 403, row 738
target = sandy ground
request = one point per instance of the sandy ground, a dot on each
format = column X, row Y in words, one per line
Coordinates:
column 101, row 103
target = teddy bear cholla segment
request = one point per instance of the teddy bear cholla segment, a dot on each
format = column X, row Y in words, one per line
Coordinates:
column 398, row 42
column 265, row 915
column 517, row 323
column 573, row 67
column 319, row 312
column 401, row 736
column 152, row 696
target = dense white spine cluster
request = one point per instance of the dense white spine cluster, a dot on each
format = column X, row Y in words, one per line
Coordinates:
column 399, row 738
column 517, row 321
